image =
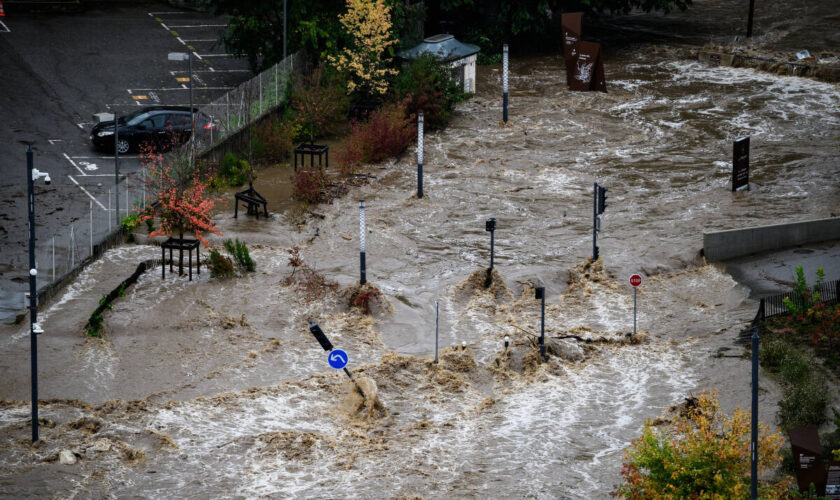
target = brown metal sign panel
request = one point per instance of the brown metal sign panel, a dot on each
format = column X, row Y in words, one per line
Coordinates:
column 808, row 459
column 599, row 81
column 832, row 482
column 741, row 164
column 584, row 66
column 572, row 26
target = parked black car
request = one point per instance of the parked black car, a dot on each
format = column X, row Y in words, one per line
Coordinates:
column 158, row 126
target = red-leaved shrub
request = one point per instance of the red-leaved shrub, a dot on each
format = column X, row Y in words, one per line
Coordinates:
column 387, row 133
column 309, row 185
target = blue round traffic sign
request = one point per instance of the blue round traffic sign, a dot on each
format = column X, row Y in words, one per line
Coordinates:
column 338, row 359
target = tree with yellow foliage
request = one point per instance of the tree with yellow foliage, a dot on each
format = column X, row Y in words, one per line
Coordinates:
column 368, row 22
column 701, row 454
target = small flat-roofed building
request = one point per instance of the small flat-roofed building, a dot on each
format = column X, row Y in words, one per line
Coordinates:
column 458, row 56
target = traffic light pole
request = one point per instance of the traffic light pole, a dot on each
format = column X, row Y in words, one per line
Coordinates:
column 595, row 223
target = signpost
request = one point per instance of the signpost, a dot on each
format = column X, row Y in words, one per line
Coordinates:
column 635, row 281
column 808, row 459
column 741, row 164
column 336, row 357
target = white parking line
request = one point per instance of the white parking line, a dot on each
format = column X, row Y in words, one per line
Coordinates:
column 216, row 55
column 74, row 164
column 165, row 89
column 200, row 40
column 179, row 39
column 105, row 157
column 53, row 141
column 5, row 28
column 86, row 192
column 201, row 26
column 196, row 55
column 165, row 26
column 211, row 70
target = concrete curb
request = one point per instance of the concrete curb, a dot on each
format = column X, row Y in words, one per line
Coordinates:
column 724, row 245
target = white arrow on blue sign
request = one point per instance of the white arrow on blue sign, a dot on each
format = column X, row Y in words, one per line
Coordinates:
column 338, row 359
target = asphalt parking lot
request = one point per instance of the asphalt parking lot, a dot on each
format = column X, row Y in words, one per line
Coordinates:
column 60, row 69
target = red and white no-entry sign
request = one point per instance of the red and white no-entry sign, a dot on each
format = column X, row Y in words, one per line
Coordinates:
column 635, row 280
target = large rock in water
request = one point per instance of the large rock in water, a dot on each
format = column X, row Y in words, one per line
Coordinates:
column 66, row 457
column 565, row 349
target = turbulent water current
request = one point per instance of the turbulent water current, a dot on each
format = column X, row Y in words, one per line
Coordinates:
column 216, row 388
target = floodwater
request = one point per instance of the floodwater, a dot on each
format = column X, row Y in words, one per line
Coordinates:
column 216, row 388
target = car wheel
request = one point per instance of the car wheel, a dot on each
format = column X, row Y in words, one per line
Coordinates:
column 123, row 146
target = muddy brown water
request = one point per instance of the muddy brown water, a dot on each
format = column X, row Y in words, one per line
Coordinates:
column 216, row 388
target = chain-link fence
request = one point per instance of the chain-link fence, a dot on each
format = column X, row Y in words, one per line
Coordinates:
column 245, row 104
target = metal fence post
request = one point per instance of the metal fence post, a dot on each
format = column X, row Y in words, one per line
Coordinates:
column 53, row 257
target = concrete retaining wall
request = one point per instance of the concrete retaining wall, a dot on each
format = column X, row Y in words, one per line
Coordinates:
column 723, row 245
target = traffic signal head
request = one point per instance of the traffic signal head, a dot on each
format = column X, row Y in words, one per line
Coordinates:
column 602, row 199
column 490, row 225
column 539, row 292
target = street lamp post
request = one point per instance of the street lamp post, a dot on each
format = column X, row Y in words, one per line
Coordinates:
column 187, row 56
column 32, row 174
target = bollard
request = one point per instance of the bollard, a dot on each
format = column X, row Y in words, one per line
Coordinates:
column 490, row 226
column 420, row 155
column 363, row 270
column 505, row 83
column 436, row 331
column 539, row 293
column 507, row 342
column 464, row 345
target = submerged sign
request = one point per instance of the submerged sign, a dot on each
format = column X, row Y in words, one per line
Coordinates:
column 587, row 68
column 741, row 164
column 572, row 25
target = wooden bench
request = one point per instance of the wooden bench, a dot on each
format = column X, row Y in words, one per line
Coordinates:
column 253, row 199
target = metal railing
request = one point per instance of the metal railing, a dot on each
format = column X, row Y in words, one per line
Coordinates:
column 774, row 305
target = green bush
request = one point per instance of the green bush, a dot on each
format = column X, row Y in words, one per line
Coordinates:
column 232, row 172
column 129, row 222
column 804, row 390
column 220, row 266
column 239, row 251
column 424, row 85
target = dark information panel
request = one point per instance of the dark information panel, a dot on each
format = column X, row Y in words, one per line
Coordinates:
column 587, row 68
column 572, row 25
column 832, row 484
column 741, row 164
column 808, row 459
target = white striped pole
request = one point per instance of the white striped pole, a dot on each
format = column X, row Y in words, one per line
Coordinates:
column 363, row 270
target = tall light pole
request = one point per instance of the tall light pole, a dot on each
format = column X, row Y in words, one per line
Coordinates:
column 32, row 174
column 187, row 56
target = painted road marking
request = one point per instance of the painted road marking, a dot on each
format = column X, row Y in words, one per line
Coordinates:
column 86, row 192
column 196, row 55
column 74, row 164
column 53, row 141
column 103, row 156
column 179, row 39
column 174, row 33
column 165, row 27
column 211, row 70
column 217, row 55
column 81, row 125
column 201, row 40
column 140, row 97
column 182, row 79
column 166, row 89
column 5, row 28
column 200, row 26
column 167, row 13
column 90, row 167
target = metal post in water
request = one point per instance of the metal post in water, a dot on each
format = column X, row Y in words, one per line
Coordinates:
column 634, row 310
column 362, row 267
column 90, row 208
column 490, row 226
column 507, row 342
column 436, row 332
column 420, row 155
column 539, row 293
column 754, row 418
column 53, row 258
column 109, row 209
column 750, row 19
column 595, row 224
column 505, row 83
column 72, row 245
column 117, row 169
